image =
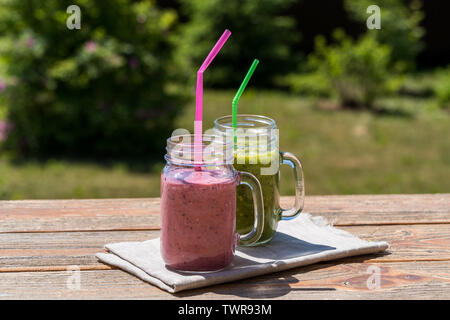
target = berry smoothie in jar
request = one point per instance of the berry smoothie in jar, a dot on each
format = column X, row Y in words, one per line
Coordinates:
column 198, row 206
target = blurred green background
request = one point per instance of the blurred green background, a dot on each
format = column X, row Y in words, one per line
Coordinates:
column 84, row 113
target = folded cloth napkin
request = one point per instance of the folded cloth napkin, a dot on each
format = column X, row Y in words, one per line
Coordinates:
column 299, row 242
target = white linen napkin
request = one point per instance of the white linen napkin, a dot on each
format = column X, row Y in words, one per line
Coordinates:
column 299, row 242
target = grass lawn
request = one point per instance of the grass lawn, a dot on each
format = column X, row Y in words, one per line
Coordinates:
column 342, row 152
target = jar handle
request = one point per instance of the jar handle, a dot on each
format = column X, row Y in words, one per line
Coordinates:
column 291, row 160
column 252, row 182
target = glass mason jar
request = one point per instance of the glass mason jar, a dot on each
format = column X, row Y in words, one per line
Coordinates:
column 198, row 205
column 256, row 151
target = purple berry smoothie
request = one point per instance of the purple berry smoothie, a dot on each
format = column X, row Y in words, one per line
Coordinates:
column 198, row 212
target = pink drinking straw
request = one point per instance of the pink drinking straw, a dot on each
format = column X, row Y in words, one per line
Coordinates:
column 198, row 123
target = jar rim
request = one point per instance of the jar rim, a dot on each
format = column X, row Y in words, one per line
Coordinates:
column 255, row 119
column 260, row 127
column 215, row 150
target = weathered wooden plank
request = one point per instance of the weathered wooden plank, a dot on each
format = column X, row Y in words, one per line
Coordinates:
column 68, row 215
column 408, row 242
column 422, row 280
column 25, row 250
column 380, row 209
column 143, row 214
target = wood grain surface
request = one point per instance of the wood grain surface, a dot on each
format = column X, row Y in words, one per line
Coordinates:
column 40, row 239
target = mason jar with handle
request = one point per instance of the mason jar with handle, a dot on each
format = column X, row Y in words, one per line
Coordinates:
column 256, row 150
column 198, row 205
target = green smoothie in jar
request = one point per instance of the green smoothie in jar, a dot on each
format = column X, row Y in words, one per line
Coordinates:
column 269, row 186
column 256, row 151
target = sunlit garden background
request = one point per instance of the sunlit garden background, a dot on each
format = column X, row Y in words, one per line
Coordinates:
column 85, row 113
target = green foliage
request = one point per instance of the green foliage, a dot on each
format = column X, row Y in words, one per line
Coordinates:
column 342, row 153
column 442, row 87
column 400, row 27
column 106, row 89
column 355, row 71
column 307, row 83
column 259, row 30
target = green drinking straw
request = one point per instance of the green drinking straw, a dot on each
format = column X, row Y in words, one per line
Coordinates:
column 238, row 95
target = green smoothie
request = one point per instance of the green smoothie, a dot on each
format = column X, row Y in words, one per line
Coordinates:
column 270, row 188
column 256, row 144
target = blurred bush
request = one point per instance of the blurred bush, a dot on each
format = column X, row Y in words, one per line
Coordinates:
column 307, row 82
column 260, row 29
column 359, row 71
column 400, row 27
column 354, row 71
column 107, row 89
column 442, row 87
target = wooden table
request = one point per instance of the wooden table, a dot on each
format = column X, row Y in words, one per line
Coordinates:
column 41, row 239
